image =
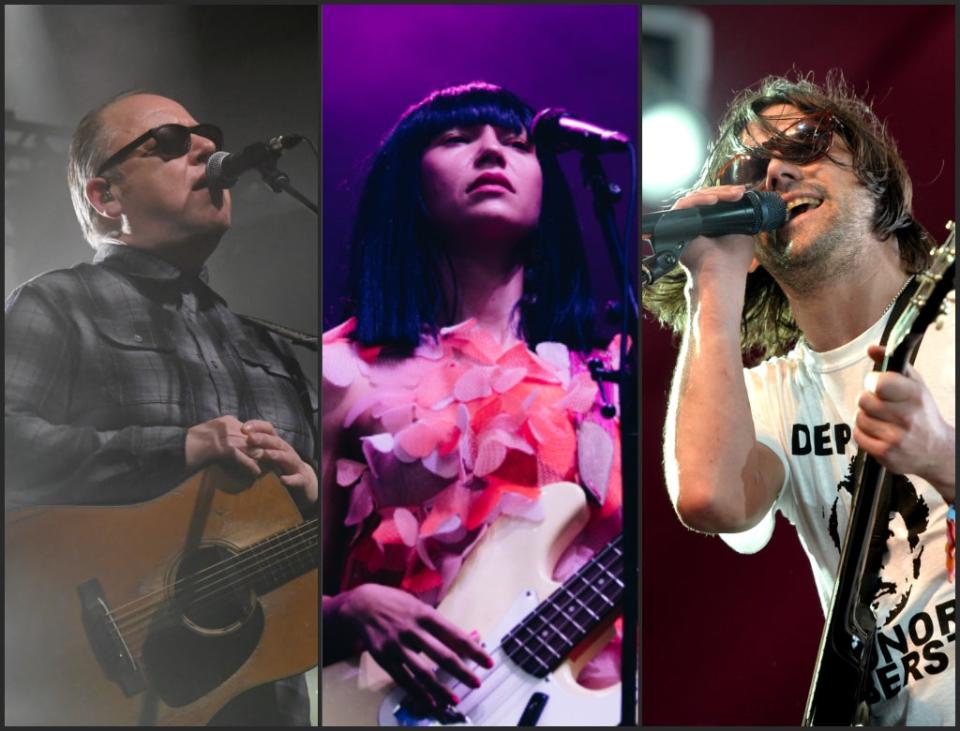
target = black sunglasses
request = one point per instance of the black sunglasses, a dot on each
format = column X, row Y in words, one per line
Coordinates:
column 173, row 140
column 803, row 142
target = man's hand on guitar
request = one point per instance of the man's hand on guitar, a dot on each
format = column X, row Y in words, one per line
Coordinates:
column 219, row 439
column 264, row 445
column 899, row 424
column 396, row 628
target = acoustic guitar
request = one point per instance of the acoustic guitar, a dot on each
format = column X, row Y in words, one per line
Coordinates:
column 539, row 633
column 157, row 613
column 845, row 659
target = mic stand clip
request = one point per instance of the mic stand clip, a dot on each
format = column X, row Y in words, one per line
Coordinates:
column 279, row 181
column 666, row 255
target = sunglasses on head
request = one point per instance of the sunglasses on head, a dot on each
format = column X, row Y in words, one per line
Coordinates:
column 805, row 141
column 173, row 140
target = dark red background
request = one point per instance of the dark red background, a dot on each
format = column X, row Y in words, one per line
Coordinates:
column 731, row 639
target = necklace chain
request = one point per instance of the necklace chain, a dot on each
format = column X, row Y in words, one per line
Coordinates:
column 896, row 296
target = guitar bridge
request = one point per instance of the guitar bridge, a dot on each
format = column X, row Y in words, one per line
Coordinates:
column 107, row 641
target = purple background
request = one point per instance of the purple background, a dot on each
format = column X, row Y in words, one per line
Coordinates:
column 378, row 60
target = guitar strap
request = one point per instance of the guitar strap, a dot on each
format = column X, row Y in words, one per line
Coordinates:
column 873, row 566
column 901, row 302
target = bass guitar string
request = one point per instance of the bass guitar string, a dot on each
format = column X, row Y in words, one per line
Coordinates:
column 493, row 679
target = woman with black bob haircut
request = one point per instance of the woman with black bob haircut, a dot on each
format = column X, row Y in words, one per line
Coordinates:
column 457, row 393
column 398, row 255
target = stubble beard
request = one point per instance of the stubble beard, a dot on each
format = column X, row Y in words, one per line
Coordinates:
column 831, row 255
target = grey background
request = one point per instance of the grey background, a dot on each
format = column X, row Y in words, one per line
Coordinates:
column 253, row 70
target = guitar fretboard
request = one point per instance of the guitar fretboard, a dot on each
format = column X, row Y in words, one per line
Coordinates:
column 541, row 641
column 282, row 557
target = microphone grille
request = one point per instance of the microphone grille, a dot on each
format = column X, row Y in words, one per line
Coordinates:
column 544, row 128
column 215, row 167
column 773, row 211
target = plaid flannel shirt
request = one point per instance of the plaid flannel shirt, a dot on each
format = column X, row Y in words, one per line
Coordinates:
column 107, row 366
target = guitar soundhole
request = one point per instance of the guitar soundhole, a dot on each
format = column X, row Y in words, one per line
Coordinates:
column 212, row 593
column 214, row 624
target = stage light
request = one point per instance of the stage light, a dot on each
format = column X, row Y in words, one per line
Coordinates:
column 673, row 148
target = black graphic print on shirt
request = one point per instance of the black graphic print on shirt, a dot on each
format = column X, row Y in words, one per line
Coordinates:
column 901, row 563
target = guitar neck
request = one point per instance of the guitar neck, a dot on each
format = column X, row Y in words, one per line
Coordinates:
column 842, row 674
column 547, row 635
column 280, row 558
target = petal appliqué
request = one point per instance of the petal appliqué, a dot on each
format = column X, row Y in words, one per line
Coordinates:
column 349, row 471
column 594, row 458
column 558, row 356
column 418, row 439
column 473, row 384
column 507, row 378
column 339, row 364
column 340, row 331
column 407, row 526
column 361, row 503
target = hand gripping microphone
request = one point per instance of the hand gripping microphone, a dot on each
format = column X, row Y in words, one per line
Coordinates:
column 755, row 212
column 224, row 168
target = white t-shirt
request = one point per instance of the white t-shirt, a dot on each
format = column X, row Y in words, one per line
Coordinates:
column 804, row 405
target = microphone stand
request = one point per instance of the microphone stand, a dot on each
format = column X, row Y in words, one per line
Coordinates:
column 279, row 182
column 605, row 195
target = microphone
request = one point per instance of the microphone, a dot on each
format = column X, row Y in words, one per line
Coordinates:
column 224, row 168
column 755, row 212
column 556, row 130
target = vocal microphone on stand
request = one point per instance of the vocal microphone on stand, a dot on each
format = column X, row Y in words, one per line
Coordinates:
column 555, row 129
column 225, row 168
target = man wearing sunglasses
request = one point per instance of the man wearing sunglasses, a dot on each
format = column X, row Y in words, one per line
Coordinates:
column 814, row 297
column 127, row 375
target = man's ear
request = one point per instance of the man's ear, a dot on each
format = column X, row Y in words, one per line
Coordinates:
column 101, row 197
column 753, row 266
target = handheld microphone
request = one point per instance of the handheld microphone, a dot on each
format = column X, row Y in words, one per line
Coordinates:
column 555, row 129
column 755, row 212
column 224, row 168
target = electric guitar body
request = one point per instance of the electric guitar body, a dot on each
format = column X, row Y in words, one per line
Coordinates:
column 501, row 589
column 157, row 613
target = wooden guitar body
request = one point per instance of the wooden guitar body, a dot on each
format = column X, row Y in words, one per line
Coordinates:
column 176, row 645
column 506, row 576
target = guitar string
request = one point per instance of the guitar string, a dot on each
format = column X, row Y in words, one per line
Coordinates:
column 165, row 616
column 563, row 596
column 477, row 698
column 566, row 617
column 166, row 613
column 471, row 698
column 544, row 629
column 294, row 544
column 294, row 549
column 153, row 616
column 268, row 568
column 125, row 619
column 551, row 604
column 605, row 561
column 296, row 532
